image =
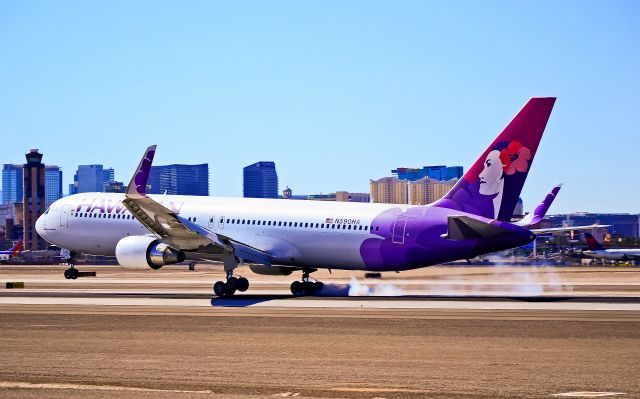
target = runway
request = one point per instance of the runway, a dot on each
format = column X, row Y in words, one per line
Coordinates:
column 444, row 333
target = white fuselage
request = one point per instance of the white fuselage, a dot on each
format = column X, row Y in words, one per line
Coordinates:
column 314, row 233
column 614, row 254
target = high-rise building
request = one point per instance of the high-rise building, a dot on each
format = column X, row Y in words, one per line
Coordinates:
column 427, row 190
column 89, row 179
column 11, row 183
column 389, row 190
column 179, row 179
column 33, row 195
column 108, row 175
column 260, row 180
column 438, row 172
column 52, row 184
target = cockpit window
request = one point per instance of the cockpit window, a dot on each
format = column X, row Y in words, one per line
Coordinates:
column 47, row 211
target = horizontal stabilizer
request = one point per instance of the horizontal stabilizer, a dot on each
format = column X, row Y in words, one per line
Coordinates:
column 467, row 228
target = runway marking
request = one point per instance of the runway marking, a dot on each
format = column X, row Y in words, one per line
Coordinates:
column 587, row 394
column 89, row 387
column 374, row 389
column 288, row 394
column 329, row 303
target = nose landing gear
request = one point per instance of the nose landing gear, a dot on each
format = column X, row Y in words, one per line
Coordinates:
column 71, row 273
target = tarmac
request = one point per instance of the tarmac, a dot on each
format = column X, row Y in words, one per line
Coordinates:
column 439, row 332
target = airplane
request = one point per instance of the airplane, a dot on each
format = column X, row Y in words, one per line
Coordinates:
column 12, row 252
column 596, row 250
column 279, row 237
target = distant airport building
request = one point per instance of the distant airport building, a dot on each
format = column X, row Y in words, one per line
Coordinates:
column 427, row 190
column 389, row 190
column 11, row 183
column 622, row 224
column 338, row 196
column 178, row 179
column 33, row 195
column 438, row 172
column 114, row 187
column 345, row 196
column 52, row 184
column 260, row 180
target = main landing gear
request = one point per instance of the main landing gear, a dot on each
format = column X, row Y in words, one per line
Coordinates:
column 306, row 286
column 233, row 284
column 71, row 273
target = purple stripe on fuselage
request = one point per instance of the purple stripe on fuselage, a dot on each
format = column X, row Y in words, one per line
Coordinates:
column 420, row 242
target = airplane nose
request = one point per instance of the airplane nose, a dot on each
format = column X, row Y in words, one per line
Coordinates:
column 40, row 226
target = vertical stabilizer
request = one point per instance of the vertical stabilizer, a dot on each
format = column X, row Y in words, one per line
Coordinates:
column 491, row 187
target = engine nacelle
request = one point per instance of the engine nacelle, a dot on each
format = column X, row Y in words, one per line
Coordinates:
column 271, row 270
column 140, row 252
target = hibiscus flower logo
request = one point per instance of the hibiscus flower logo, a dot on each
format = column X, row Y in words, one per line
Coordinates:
column 515, row 157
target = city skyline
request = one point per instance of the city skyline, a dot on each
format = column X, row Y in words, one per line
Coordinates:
column 339, row 92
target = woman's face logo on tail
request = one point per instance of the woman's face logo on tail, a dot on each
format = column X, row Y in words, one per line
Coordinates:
column 491, row 181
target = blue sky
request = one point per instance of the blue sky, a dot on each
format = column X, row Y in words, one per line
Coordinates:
column 335, row 92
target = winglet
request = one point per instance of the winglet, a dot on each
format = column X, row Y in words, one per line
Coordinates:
column 541, row 210
column 16, row 248
column 138, row 184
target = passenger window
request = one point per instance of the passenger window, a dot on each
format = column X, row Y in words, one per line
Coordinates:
column 306, row 225
column 377, row 228
column 349, row 227
column 333, row 226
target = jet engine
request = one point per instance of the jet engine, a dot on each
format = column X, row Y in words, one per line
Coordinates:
column 271, row 270
column 140, row 252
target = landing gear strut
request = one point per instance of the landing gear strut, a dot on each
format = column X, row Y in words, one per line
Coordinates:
column 306, row 286
column 233, row 284
column 71, row 273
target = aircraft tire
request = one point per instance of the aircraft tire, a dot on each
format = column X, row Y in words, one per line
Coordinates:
column 243, row 284
column 232, row 284
column 67, row 274
column 75, row 274
column 297, row 289
column 219, row 288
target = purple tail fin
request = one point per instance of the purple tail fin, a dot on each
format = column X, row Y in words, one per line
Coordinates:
column 491, row 187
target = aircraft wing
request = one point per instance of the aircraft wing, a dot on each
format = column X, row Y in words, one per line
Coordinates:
column 570, row 228
column 174, row 230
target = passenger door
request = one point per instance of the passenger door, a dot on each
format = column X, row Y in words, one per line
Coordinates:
column 64, row 216
column 399, row 229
